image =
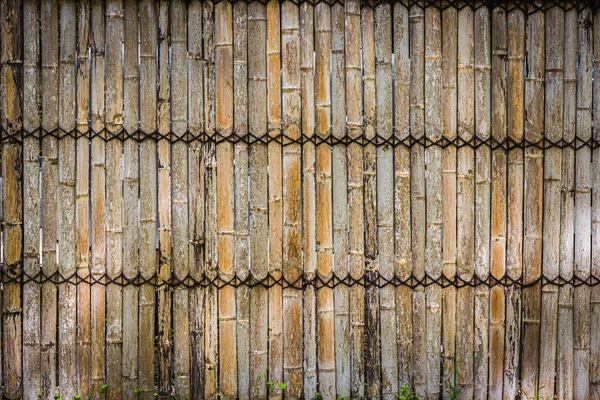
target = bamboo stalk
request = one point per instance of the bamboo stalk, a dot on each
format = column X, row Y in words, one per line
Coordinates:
column 355, row 196
column 555, row 22
column 292, row 206
column 340, row 202
column 225, row 198
column 49, row 48
column 148, row 192
column 114, row 197
column 259, row 233
column 32, row 311
column 240, row 101
column 402, row 262
column 82, row 196
column 130, row 199
column 581, row 316
column 324, row 234
column 515, row 104
column 498, row 222
column 564, row 362
column 482, row 48
column 449, row 199
column 417, row 182
column 307, row 58
column 98, row 188
column 12, row 192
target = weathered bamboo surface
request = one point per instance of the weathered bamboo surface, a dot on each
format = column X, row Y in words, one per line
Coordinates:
column 299, row 200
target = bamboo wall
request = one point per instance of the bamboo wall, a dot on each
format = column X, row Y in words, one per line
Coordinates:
column 321, row 201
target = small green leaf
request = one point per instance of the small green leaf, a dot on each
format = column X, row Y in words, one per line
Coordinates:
column 282, row 385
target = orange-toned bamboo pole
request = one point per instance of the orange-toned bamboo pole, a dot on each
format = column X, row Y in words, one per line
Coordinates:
column 259, row 233
column 97, row 197
column 449, row 198
column 130, row 199
column 12, row 195
column 498, row 222
column 402, row 231
column 148, row 192
column 355, row 195
column 275, row 371
column 49, row 49
column 32, row 310
column 82, row 196
column 514, row 268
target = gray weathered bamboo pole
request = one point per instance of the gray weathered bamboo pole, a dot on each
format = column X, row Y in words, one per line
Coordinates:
column 82, row 196
column 355, row 195
column 498, row 223
column 98, row 209
column 324, row 234
column 12, row 195
column 240, row 125
column 130, row 199
column 307, row 63
column 581, row 307
column 148, row 192
column 449, row 111
column 32, row 313
column 417, row 182
column 515, row 105
column 433, row 182
column 49, row 49
column 114, row 196
column 372, row 354
column 482, row 72
column 292, row 206
column 555, row 20
column 402, row 233
column 340, row 202
column 259, row 234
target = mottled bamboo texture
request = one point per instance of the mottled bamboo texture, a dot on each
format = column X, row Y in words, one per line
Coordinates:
column 429, row 194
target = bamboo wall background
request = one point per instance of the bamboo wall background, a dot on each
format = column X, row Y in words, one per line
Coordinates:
column 251, row 200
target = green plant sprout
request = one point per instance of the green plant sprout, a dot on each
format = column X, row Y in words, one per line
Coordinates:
column 406, row 393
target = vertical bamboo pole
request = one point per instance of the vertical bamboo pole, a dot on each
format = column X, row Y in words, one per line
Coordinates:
column 148, row 192
column 97, row 203
column 417, row 190
column 555, row 20
column 433, row 190
column 564, row 362
column 465, row 204
column 114, row 196
column 82, row 196
column 259, row 234
column 12, row 192
column 355, row 196
column 340, row 202
column 449, row 198
column 196, row 196
column 240, row 101
column 307, row 58
column 180, row 337
column 498, row 223
column 164, row 293
column 581, row 317
column 324, row 235
column 130, row 199
column 515, row 104
column 225, row 198
column 482, row 72
column 49, row 48
column 32, row 311
column 67, row 293
column 275, row 368
column 402, row 233
column 292, row 207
